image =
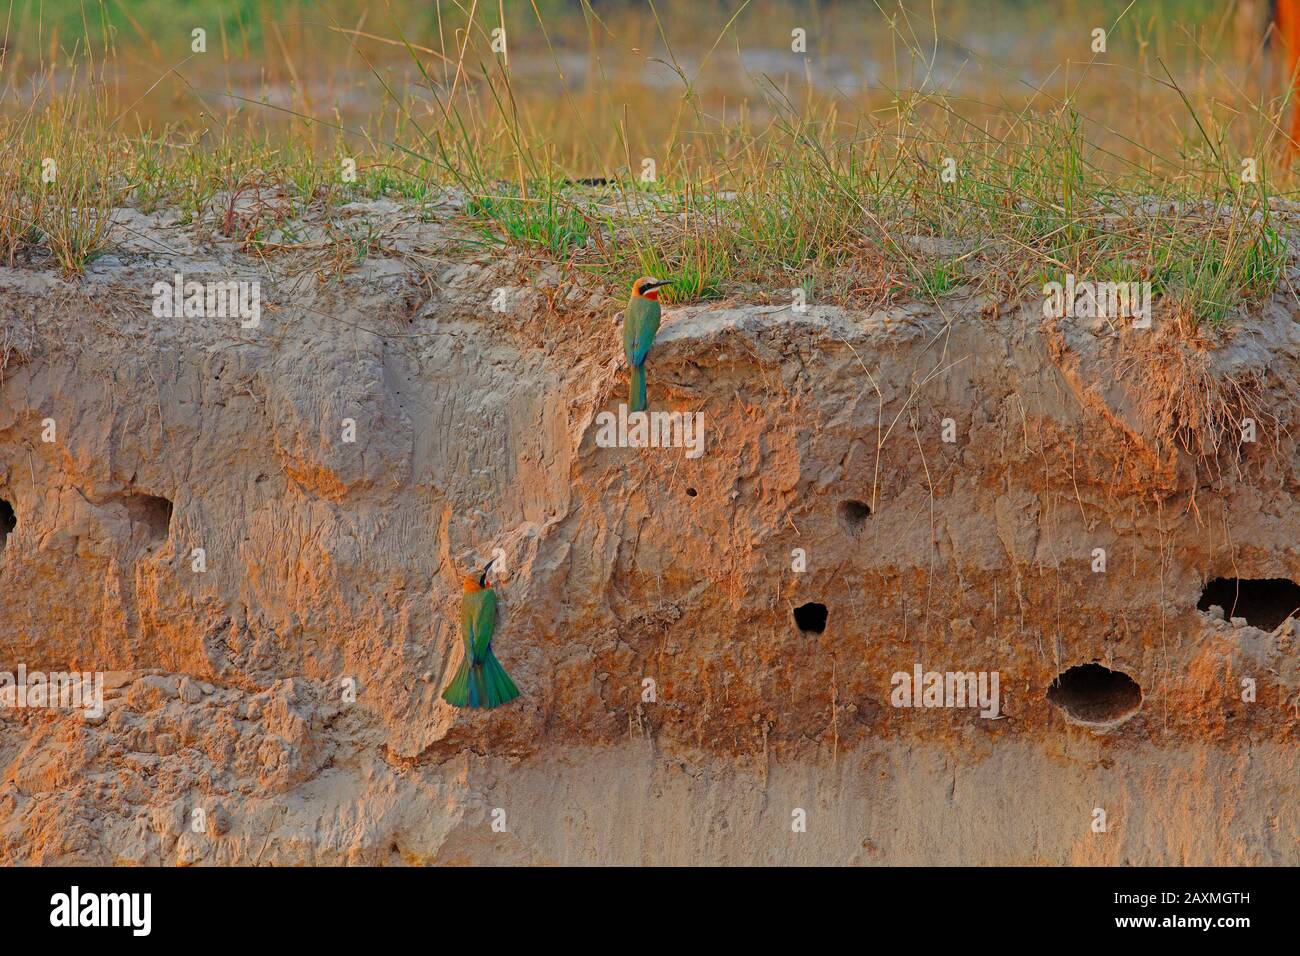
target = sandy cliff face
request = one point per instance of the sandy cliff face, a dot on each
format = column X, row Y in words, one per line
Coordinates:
column 674, row 709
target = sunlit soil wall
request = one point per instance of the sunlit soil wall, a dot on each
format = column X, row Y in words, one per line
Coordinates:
column 944, row 583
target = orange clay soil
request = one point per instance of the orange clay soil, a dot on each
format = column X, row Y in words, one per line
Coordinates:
column 946, row 475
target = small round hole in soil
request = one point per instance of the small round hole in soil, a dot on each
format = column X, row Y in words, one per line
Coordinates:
column 1092, row 694
column 810, row 618
column 853, row 515
column 691, row 492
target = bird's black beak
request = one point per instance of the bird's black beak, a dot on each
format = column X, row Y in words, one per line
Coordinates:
column 655, row 285
column 482, row 578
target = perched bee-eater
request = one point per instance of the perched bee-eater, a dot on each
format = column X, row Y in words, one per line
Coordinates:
column 480, row 681
column 640, row 323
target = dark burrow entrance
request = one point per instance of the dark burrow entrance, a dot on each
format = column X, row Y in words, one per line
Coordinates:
column 8, row 522
column 853, row 515
column 1263, row 602
column 811, row 618
column 152, row 513
column 1093, row 694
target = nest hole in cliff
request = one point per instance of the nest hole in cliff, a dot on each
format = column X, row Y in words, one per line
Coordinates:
column 1263, row 602
column 8, row 522
column 811, row 618
column 1092, row 694
column 853, row 515
column 691, row 492
column 153, row 513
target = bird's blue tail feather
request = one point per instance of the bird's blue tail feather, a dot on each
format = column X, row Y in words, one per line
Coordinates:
column 636, row 399
column 483, row 685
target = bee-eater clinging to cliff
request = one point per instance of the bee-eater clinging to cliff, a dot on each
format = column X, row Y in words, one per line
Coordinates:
column 480, row 680
column 640, row 323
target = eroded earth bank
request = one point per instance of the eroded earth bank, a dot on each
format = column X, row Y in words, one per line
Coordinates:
column 968, row 486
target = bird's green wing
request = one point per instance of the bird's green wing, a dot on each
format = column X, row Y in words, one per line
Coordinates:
column 483, row 620
column 468, row 608
column 629, row 330
column 640, row 325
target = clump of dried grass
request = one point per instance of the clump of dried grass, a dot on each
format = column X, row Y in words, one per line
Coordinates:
column 1194, row 406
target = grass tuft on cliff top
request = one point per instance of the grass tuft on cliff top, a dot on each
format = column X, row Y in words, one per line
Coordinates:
column 1120, row 166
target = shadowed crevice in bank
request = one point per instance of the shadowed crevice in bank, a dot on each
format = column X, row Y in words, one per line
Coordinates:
column 8, row 522
column 1263, row 602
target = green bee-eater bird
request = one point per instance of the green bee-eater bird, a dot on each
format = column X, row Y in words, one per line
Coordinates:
column 640, row 323
column 480, row 681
